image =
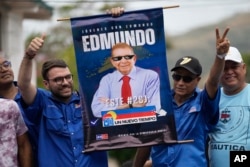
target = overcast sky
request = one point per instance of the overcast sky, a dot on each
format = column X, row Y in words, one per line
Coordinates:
column 190, row 14
column 195, row 13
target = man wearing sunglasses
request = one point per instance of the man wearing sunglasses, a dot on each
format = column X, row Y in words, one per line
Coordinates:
column 232, row 132
column 144, row 83
column 196, row 112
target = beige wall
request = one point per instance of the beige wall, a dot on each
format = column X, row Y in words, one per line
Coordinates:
column 12, row 41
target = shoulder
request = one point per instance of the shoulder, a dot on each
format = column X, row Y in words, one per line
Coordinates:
column 248, row 86
column 43, row 92
column 42, row 96
column 7, row 101
column 200, row 92
column 110, row 77
column 8, row 104
column 146, row 71
column 205, row 96
column 75, row 96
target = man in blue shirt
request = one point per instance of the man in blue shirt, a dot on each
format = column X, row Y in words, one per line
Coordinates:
column 196, row 112
column 57, row 113
column 145, row 83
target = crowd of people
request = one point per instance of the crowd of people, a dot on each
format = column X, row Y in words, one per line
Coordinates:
column 43, row 127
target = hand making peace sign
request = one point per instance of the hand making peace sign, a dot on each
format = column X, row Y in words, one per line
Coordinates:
column 222, row 44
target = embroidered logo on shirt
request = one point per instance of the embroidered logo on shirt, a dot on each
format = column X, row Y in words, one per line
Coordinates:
column 192, row 109
column 77, row 105
column 225, row 116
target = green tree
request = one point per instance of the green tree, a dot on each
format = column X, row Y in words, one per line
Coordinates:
column 246, row 58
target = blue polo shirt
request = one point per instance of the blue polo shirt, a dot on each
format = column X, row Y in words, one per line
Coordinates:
column 194, row 119
column 60, row 135
column 32, row 128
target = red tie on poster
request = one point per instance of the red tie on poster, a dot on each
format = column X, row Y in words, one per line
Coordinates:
column 126, row 89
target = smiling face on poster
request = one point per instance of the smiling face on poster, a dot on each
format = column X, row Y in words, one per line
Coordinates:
column 123, row 75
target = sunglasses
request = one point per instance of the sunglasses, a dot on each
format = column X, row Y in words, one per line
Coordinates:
column 118, row 58
column 186, row 79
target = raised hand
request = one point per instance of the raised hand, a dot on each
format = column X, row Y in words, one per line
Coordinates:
column 116, row 11
column 222, row 43
column 34, row 46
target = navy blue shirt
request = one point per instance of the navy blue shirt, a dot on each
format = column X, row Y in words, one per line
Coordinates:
column 194, row 119
column 60, row 135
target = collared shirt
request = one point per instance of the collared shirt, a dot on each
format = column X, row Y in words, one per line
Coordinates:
column 11, row 126
column 194, row 119
column 60, row 138
column 143, row 82
column 232, row 133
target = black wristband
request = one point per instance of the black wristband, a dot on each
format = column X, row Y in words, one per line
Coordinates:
column 130, row 106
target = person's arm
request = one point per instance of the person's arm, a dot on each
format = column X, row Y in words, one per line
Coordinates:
column 115, row 12
column 141, row 156
column 27, row 89
column 25, row 156
column 222, row 47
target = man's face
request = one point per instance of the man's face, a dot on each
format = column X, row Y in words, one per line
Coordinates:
column 233, row 77
column 184, row 82
column 60, row 83
column 6, row 73
column 123, row 59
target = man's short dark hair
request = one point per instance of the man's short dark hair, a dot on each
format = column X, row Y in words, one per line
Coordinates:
column 51, row 64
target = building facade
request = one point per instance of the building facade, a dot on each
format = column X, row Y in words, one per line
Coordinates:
column 12, row 15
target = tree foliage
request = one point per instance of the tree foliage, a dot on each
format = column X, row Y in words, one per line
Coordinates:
column 246, row 58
